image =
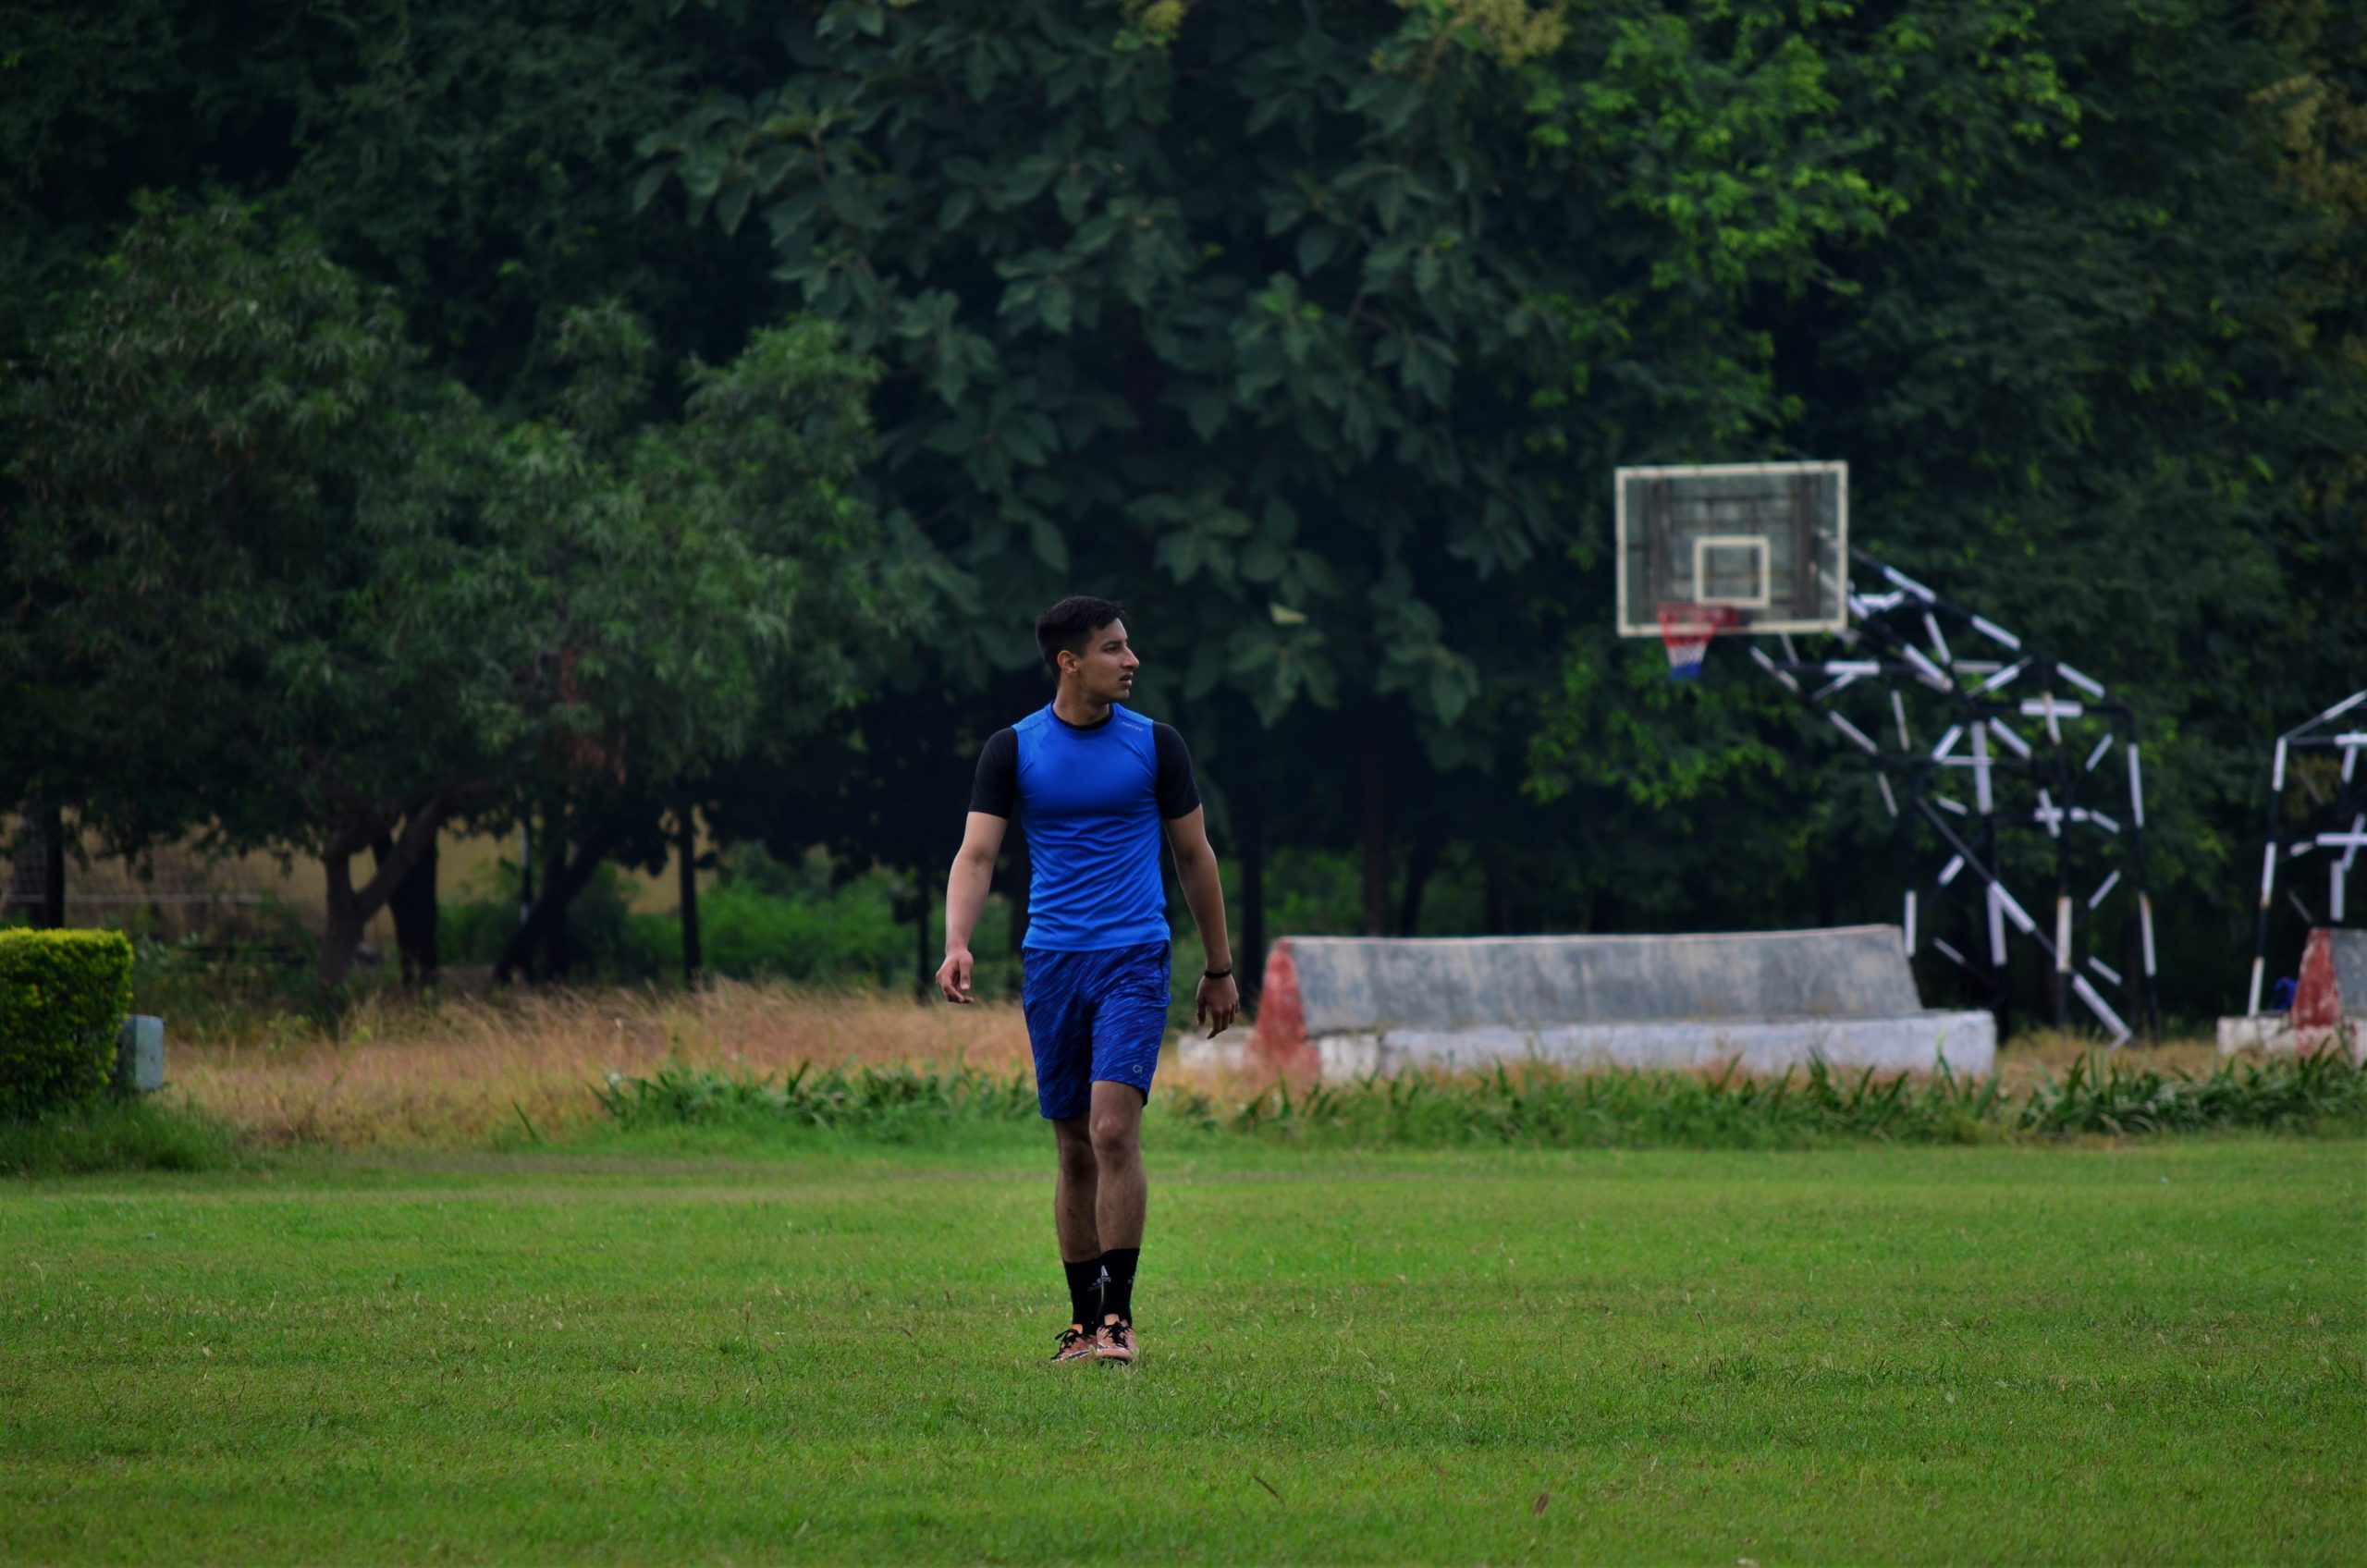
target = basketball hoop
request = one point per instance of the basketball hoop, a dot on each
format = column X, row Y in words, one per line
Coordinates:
column 1686, row 629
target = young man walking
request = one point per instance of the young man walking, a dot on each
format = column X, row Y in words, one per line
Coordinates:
column 1098, row 784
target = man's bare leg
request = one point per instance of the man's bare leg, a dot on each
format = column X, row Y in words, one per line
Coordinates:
column 1124, row 1195
column 1118, row 1157
column 1075, row 1191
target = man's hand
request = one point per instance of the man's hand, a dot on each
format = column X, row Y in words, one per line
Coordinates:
column 1218, row 1005
column 953, row 975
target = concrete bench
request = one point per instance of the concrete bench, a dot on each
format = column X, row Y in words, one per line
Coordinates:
column 1353, row 1005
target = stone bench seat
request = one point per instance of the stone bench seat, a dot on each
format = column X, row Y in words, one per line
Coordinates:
column 1767, row 1000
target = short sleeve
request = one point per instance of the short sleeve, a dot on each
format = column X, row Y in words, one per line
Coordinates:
column 995, row 790
column 1179, row 793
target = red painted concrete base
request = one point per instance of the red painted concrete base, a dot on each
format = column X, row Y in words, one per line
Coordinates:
column 2318, row 1002
column 1281, row 1041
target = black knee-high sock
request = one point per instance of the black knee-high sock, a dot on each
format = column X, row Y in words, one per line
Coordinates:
column 1084, row 1292
column 1118, row 1282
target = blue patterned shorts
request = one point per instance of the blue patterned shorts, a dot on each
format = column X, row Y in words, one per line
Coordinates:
column 1093, row 1017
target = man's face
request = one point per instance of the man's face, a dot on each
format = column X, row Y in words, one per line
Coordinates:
column 1105, row 671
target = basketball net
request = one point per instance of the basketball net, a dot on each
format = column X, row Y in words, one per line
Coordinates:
column 1686, row 629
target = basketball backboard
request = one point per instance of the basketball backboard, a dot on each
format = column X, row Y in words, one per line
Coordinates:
column 1770, row 542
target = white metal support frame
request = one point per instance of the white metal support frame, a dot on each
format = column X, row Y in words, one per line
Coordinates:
column 2044, row 780
column 2333, row 823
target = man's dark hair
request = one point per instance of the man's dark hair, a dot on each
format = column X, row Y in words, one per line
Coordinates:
column 1070, row 625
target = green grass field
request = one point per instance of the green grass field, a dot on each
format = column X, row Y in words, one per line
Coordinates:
column 2147, row 1351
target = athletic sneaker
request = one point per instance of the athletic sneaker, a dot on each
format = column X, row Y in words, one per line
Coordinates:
column 1076, row 1345
column 1115, row 1343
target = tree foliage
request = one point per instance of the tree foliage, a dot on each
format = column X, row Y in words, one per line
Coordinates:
column 2071, row 342
column 1291, row 419
column 293, row 599
column 467, row 156
column 1314, row 332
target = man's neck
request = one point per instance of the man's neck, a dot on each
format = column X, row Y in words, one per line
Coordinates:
column 1078, row 711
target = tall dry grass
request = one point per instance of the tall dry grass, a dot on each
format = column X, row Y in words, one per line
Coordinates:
column 2027, row 1058
column 459, row 1072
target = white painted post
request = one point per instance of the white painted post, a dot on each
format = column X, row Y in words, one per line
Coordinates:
column 139, row 1055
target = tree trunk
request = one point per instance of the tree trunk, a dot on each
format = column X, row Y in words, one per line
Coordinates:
column 562, row 880
column 1250, row 964
column 418, row 930
column 686, row 852
column 924, row 971
column 554, row 934
column 525, row 867
column 413, row 905
column 350, row 908
column 1376, row 826
column 341, row 940
column 1496, row 892
column 1428, row 845
column 53, row 868
column 28, row 881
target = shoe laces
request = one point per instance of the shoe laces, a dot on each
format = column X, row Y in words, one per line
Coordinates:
column 1069, row 1335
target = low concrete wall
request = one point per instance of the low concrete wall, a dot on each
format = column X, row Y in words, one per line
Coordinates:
column 2329, row 1010
column 1966, row 1042
column 2276, row 1033
column 2347, row 965
column 1351, row 1005
column 1348, row 983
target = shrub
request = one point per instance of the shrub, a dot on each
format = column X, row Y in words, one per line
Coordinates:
column 218, row 990
column 111, row 1134
column 762, row 920
column 63, row 998
column 2285, row 1093
column 893, row 1103
column 1540, row 1106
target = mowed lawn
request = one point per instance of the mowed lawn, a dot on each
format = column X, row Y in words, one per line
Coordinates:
column 2145, row 1352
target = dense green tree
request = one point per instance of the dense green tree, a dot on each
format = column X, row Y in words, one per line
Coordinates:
column 218, row 517
column 746, row 616
column 287, row 598
column 1313, row 331
column 2079, row 371
column 1240, row 328
column 467, row 156
column 472, row 156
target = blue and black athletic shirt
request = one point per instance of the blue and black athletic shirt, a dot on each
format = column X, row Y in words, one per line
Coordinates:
column 1093, row 799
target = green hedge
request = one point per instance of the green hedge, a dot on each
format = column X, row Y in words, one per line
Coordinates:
column 63, row 998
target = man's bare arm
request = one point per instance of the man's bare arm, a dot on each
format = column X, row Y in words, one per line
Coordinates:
column 1218, row 1002
column 965, row 895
